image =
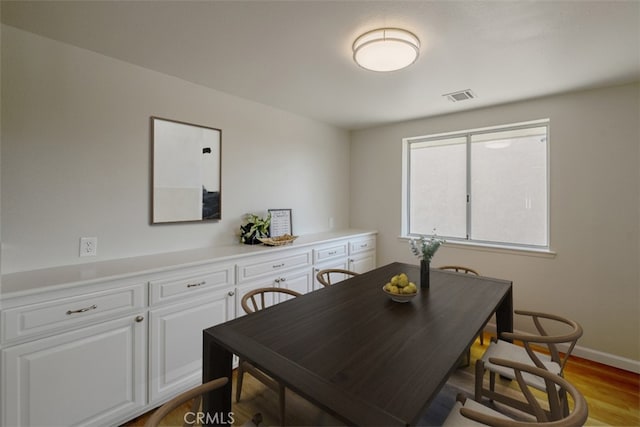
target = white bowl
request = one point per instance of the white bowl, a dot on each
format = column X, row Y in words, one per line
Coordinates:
column 399, row 297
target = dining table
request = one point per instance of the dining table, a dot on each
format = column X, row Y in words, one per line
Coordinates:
column 353, row 351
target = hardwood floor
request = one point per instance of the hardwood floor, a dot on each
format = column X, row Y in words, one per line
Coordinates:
column 613, row 396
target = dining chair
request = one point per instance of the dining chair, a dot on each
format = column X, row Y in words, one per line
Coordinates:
column 548, row 410
column 459, row 269
column 252, row 301
column 161, row 415
column 507, row 348
column 466, row 270
column 324, row 276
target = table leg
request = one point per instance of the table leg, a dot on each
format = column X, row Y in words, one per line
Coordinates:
column 504, row 314
column 216, row 363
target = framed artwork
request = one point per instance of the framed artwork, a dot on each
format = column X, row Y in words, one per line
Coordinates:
column 186, row 172
column 280, row 222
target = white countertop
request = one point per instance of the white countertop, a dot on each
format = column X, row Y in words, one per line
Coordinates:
column 28, row 282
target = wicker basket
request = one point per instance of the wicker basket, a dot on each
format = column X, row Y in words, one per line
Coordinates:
column 278, row 241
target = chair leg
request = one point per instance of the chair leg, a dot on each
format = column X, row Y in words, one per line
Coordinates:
column 240, row 375
column 479, row 380
column 564, row 402
column 281, row 393
column 481, row 337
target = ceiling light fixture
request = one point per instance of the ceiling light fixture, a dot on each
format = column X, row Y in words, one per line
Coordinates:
column 386, row 49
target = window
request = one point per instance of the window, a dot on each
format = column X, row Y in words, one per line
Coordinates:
column 485, row 185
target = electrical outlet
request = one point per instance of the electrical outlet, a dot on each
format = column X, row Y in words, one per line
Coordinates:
column 88, row 246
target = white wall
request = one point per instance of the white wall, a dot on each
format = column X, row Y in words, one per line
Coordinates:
column 76, row 157
column 595, row 197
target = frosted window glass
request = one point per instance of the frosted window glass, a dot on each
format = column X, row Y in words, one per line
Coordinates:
column 438, row 187
column 509, row 188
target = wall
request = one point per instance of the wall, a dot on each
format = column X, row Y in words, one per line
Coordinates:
column 595, row 194
column 76, row 157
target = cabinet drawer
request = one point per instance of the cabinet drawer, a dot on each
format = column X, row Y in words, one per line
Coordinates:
column 259, row 267
column 362, row 245
column 330, row 252
column 191, row 282
column 37, row 319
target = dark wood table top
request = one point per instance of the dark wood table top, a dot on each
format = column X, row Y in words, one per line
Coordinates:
column 362, row 357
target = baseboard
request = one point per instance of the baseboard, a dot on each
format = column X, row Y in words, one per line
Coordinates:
column 593, row 355
column 608, row 359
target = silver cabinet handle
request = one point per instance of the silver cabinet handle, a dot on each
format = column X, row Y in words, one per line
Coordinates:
column 193, row 285
column 139, row 319
column 82, row 310
column 332, row 252
column 277, row 280
column 231, row 293
column 278, row 265
column 283, row 279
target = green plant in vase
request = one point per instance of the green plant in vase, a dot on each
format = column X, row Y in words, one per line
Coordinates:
column 425, row 248
column 254, row 228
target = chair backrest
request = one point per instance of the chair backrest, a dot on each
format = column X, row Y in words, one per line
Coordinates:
column 325, row 276
column 552, row 413
column 189, row 417
column 551, row 341
column 256, row 300
column 459, row 269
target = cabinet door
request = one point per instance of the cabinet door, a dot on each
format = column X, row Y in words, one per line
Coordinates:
column 84, row 377
column 342, row 264
column 362, row 262
column 175, row 341
column 241, row 290
column 299, row 281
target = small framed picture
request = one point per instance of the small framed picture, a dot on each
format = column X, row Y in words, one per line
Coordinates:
column 280, row 222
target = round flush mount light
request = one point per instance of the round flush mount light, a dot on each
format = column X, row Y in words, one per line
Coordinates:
column 386, row 49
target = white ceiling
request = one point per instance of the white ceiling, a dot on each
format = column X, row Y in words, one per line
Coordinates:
column 296, row 55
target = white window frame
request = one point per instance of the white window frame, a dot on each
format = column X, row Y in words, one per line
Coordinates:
column 468, row 242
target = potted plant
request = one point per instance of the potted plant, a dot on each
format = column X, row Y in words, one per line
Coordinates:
column 254, row 228
column 425, row 248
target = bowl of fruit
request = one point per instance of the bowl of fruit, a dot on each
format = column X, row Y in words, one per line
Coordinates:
column 400, row 289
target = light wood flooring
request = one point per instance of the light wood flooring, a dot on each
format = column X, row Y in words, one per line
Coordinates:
column 613, row 396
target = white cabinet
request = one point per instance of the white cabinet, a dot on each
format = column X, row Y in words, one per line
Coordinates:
column 358, row 255
column 183, row 303
column 103, row 343
column 189, row 282
column 362, row 254
column 175, row 340
column 331, row 255
column 272, row 266
column 290, row 269
column 331, row 252
column 300, row 281
column 40, row 318
column 362, row 263
column 341, row 263
column 82, row 377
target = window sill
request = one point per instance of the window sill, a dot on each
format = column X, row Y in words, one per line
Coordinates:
column 503, row 249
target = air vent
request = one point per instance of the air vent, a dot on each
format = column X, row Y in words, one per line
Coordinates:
column 461, row 95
